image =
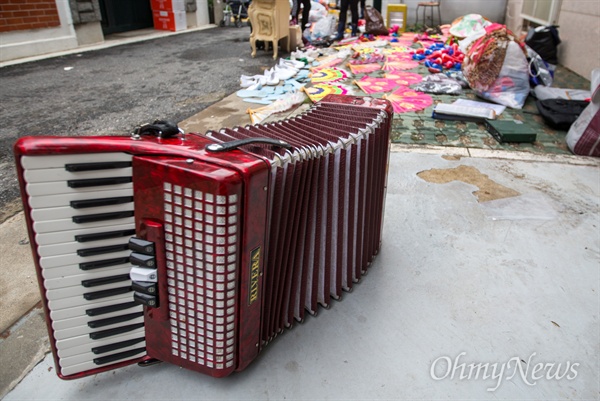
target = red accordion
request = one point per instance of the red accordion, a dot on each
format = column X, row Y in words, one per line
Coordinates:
column 198, row 250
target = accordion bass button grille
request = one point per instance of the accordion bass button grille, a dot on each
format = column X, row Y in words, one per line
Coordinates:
column 196, row 209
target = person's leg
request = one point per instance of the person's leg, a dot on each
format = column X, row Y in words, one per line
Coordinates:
column 342, row 22
column 294, row 12
column 354, row 13
column 362, row 9
column 305, row 12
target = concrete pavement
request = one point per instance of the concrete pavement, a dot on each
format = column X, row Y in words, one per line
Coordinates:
column 458, row 282
column 493, row 280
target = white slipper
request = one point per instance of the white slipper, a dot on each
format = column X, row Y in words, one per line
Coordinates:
column 271, row 77
column 291, row 63
column 284, row 73
column 247, row 80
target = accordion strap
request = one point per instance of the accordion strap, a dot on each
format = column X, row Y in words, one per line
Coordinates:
column 227, row 146
column 160, row 128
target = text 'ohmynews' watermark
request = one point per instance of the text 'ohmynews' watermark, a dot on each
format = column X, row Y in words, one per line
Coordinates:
column 530, row 372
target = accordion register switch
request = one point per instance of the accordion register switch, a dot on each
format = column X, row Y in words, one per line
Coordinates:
column 143, row 255
column 199, row 250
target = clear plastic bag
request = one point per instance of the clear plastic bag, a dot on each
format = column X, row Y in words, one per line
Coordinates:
column 497, row 69
column 439, row 84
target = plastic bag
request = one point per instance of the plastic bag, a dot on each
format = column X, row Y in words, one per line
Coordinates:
column 583, row 137
column 467, row 25
column 439, row 84
column 496, row 67
column 323, row 28
column 543, row 92
column 374, row 22
column 544, row 40
column 317, row 11
column 540, row 72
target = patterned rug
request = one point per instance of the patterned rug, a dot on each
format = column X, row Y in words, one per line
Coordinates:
column 419, row 128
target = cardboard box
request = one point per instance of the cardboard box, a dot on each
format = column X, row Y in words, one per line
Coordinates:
column 169, row 20
column 295, row 38
column 167, row 5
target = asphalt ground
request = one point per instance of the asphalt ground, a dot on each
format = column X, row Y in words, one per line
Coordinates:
column 113, row 90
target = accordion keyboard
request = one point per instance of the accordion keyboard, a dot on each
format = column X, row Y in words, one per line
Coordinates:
column 83, row 216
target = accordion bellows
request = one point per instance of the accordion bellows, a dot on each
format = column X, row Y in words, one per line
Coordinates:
column 232, row 245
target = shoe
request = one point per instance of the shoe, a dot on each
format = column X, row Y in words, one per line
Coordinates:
column 284, row 73
column 291, row 63
column 255, row 87
column 271, row 77
column 247, row 81
column 308, row 54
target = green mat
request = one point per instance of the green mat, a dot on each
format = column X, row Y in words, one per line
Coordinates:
column 419, row 128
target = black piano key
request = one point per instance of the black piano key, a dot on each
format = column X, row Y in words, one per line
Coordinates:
column 104, row 280
column 145, row 299
column 98, row 335
column 121, row 355
column 112, row 347
column 102, row 250
column 92, row 296
column 110, row 308
column 76, row 167
column 144, row 287
column 94, row 324
column 104, row 235
column 98, row 182
column 82, row 204
column 91, row 218
column 141, row 246
column 103, row 263
column 140, row 259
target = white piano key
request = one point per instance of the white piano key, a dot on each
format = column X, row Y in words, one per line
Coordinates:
column 67, row 224
column 60, row 174
column 81, row 330
column 44, row 201
column 52, row 161
column 50, row 262
column 61, row 187
column 72, row 280
column 63, row 236
column 91, row 365
column 72, row 270
column 90, row 356
column 76, row 311
column 66, row 212
column 86, row 347
column 71, row 302
column 84, row 319
column 85, row 340
column 73, row 246
column 78, row 290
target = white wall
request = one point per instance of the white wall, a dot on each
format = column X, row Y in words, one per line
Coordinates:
column 19, row 44
column 579, row 29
